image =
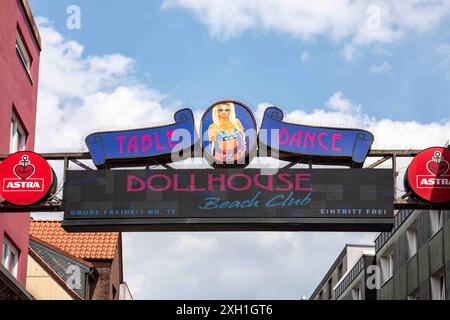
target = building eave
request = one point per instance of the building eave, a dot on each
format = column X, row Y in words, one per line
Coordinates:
column 37, row 36
column 53, row 274
column 335, row 265
column 12, row 284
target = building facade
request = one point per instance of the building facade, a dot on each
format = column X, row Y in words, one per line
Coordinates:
column 341, row 267
column 84, row 266
column 414, row 258
column 412, row 262
column 19, row 71
column 353, row 285
column 54, row 274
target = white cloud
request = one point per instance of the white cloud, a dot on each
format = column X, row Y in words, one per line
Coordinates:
column 382, row 68
column 356, row 22
column 338, row 103
column 81, row 94
column 389, row 134
column 289, row 265
column 305, row 57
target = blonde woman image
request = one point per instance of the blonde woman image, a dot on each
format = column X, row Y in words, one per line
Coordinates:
column 226, row 134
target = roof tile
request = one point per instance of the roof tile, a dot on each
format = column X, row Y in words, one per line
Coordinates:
column 98, row 245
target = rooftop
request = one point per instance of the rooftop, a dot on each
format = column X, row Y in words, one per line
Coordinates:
column 90, row 246
column 338, row 260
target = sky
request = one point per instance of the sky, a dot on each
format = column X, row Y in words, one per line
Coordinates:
column 383, row 66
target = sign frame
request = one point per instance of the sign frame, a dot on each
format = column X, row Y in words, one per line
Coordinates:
column 215, row 222
column 241, row 162
column 95, row 139
column 411, row 180
column 230, row 225
column 275, row 115
column 32, row 177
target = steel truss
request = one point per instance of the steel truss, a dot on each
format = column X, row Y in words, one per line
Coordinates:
column 55, row 204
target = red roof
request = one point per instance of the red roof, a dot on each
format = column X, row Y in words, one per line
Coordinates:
column 95, row 246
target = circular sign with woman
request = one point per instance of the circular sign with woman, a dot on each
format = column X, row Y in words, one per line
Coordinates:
column 228, row 130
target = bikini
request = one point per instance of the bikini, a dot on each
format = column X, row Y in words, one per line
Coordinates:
column 228, row 155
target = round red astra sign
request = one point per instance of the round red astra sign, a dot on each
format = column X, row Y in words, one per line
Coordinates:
column 428, row 175
column 25, row 177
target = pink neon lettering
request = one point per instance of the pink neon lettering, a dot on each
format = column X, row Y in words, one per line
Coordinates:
column 336, row 136
column 319, row 139
column 121, row 138
column 130, row 180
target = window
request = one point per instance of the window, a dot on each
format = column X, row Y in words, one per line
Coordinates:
column 320, row 295
column 18, row 136
column 438, row 286
column 22, row 51
column 411, row 236
column 340, row 269
column 436, row 221
column 356, row 293
column 330, row 288
column 387, row 266
column 414, row 295
column 10, row 257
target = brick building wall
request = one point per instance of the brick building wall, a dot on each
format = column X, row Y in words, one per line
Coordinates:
column 110, row 276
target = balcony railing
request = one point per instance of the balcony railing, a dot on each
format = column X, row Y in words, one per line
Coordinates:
column 383, row 237
column 350, row 276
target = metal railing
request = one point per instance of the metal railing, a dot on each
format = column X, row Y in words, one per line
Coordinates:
column 383, row 237
column 350, row 277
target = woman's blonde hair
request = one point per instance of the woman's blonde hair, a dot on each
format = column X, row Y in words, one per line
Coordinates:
column 232, row 116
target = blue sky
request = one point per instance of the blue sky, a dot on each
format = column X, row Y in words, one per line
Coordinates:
column 134, row 63
column 176, row 53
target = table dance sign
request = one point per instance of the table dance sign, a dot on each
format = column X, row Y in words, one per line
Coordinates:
column 158, row 144
column 229, row 200
column 229, row 139
column 319, row 145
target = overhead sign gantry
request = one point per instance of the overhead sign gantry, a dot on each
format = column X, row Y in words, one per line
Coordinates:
column 228, row 196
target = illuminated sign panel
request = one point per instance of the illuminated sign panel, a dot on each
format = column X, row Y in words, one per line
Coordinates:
column 228, row 130
column 428, row 175
column 321, row 145
column 229, row 200
column 229, row 139
column 26, row 178
column 130, row 147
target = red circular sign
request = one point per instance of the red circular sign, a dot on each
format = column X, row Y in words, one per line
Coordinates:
column 25, row 177
column 428, row 175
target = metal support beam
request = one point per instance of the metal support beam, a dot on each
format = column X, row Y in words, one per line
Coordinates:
column 87, row 156
column 80, row 164
column 395, row 173
column 47, row 207
column 411, row 204
column 57, row 205
column 377, row 163
column 290, row 165
column 166, row 166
